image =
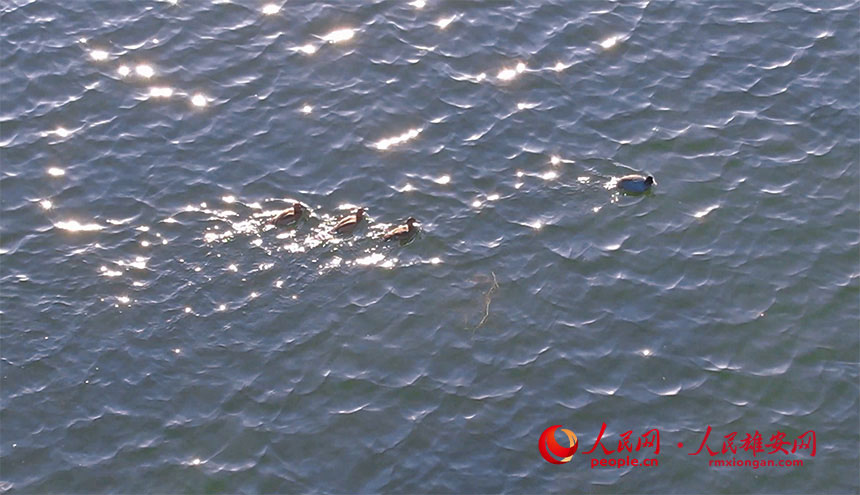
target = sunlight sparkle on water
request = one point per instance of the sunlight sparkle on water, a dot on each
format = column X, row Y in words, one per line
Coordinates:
column 704, row 213
column 418, row 4
column 144, row 70
column 270, row 9
column 493, row 197
column 62, row 132
column 160, row 92
column 549, row 175
column 508, row 74
column 107, row 272
column 386, row 143
column 443, row 22
column 373, row 259
column 339, row 35
column 559, row 67
column 307, row 109
column 46, row 204
column 229, row 199
column 308, row 49
column 445, row 179
column 76, row 226
column 555, row 159
column 56, row 172
column 198, row 100
column 124, row 70
column 99, row 55
column 609, row 42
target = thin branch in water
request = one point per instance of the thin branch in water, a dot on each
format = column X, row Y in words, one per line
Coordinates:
column 487, row 300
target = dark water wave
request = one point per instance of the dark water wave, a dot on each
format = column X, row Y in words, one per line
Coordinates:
column 157, row 337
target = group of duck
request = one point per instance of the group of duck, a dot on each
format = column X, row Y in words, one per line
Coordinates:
column 629, row 183
column 346, row 224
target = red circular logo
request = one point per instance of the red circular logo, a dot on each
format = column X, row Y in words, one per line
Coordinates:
column 547, row 444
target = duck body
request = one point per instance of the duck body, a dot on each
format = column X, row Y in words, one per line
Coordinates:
column 348, row 223
column 288, row 216
column 635, row 183
column 402, row 232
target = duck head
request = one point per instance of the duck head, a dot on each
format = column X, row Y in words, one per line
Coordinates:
column 359, row 213
column 411, row 222
column 298, row 208
column 650, row 180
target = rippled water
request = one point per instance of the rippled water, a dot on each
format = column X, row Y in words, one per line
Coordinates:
column 158, row 337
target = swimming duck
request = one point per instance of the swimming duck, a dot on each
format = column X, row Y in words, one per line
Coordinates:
column 402, row 232
column 348, row 223
column 635, row 183
column 289, row 215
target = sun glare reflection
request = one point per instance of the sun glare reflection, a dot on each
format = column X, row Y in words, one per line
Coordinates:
column 144, row 70
column 386, row 143
column 339, row 35
column 160, row 92
column 76, row 226
column 444, row 22
column 609, row 42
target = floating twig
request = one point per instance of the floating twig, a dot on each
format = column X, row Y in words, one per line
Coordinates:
column 487, row 299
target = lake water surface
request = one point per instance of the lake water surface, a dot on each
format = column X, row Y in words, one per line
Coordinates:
column 157, row 337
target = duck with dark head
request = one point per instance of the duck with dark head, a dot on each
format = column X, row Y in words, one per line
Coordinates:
column 288, row 216
column 403, row 232
column 635, row 183
column 349, row 222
